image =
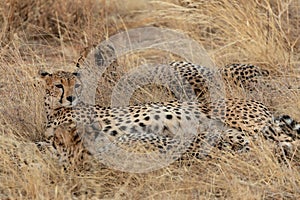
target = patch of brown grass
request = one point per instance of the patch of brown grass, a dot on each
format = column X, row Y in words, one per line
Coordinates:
column 51, row 35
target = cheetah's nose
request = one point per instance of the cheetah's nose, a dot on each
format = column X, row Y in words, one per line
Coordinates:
column 71, row 98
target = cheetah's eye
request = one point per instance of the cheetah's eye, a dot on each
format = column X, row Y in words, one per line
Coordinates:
column 59, row 85
column 77, row 85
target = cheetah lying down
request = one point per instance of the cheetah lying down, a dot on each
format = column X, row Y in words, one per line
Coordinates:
column 76, row 130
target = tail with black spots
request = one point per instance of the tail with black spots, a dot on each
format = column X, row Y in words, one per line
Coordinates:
column 290, row 123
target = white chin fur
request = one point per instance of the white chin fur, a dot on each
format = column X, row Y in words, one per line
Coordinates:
column 67, row 104
column 74, row 103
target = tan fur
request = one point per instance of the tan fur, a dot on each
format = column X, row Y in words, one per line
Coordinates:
column 154, row 125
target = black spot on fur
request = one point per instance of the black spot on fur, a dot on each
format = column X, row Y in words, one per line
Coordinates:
column 156, row 117
column 142, row 124
column 147, row 118
column 113, row 133
column 169, row 117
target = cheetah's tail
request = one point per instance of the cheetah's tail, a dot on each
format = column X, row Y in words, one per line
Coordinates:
column 290, row 123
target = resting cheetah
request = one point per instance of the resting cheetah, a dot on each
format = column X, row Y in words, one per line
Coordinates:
column 235, row 75
column 154, row 123
column 204, row 82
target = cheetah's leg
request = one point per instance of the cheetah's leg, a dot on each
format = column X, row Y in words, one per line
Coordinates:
column 286, row 132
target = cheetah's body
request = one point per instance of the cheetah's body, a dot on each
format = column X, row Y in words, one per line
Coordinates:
column 155, row 124
column 207, row 82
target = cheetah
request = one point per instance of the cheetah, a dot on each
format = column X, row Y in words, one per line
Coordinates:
column 185, row 80
column 155, row 125
column 194, row 80
column 207, row 83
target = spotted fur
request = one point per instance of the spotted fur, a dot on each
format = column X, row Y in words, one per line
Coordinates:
column 74, row 130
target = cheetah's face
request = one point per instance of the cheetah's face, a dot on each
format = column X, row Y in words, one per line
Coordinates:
column 62, row 88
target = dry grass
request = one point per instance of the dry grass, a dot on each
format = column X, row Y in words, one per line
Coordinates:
column 51, row 34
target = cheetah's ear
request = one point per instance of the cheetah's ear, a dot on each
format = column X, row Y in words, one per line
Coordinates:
column 80, row 59
column 41, row 78
column 76, row 74
column 43, row 74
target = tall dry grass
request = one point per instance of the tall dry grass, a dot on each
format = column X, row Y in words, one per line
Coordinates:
column 52, row 34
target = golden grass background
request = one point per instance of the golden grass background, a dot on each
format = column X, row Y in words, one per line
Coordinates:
column 37, row 34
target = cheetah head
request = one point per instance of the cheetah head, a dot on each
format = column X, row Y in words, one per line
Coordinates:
column 62, row 88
